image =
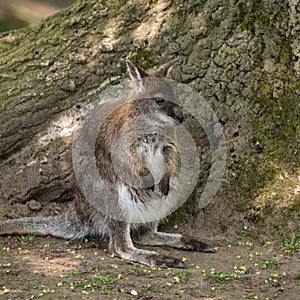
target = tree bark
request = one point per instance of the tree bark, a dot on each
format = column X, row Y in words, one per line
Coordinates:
column 242, row 56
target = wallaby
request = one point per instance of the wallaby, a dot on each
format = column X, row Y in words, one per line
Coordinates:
column 147, row 151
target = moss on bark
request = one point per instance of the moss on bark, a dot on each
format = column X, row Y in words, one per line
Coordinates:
column 242, row 56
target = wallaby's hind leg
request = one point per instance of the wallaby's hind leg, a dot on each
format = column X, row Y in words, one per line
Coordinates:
column 151, row 237
column 121, row 244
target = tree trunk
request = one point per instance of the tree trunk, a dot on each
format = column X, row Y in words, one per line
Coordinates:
column 242, row 56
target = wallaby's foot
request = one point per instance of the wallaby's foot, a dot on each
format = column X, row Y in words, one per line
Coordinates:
column 151, row 237
column 121, row 244
column 169, row 262
column 198, row 246
column 155, row 260
column 149, row 258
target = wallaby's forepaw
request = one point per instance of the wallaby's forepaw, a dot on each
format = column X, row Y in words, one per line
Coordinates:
column 164, row 185
column 168, row 262
column 200, row 247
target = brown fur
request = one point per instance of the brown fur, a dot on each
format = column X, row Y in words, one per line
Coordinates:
column 84, row 218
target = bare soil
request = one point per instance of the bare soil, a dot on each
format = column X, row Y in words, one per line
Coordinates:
column 50, row 268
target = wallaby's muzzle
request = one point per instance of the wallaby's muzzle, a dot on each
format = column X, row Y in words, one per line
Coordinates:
column 178, row 114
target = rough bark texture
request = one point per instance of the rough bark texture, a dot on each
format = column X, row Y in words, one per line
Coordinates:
column 243, row 56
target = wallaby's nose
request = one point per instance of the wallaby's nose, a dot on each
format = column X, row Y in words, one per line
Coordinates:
column 178, row 115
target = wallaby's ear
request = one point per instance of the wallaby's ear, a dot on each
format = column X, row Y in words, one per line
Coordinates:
column 136, row 73
column 164, row 69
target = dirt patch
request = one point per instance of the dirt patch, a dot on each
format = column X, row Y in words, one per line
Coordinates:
column 49, row 268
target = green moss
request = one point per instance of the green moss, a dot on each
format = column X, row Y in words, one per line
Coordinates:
column 278, row 129
column 177, row 19
column 253, row 175
column 230, row 72
column 222, row 95
column 178, row 12
column 114, row 4
column 153, row 3
column 144, row 58
column 249, row 14
column 294, row 210
column 40, row 152
column 275, row 123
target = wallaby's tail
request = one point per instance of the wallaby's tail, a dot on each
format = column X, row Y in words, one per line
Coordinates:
column 59, row 226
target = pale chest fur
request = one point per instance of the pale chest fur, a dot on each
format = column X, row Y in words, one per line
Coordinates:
column 137, row 203
column 151, row 150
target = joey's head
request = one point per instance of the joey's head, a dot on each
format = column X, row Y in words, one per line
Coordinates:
column 153, row 94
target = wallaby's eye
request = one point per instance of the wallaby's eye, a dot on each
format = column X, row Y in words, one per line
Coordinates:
column 159, row 100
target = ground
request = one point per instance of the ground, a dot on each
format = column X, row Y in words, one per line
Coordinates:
column 242, row 268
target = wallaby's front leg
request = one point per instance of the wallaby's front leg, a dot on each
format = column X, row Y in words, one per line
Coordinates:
column 171, row 159
column 151, row 237
column 121, row 244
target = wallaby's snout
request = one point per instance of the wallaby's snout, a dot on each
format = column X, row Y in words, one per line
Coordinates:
column 178, row 114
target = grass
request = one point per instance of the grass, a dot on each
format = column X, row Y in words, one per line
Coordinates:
column 291, row 244
column 270, row 264
column 145, row 282
column 250, row 296
column 166, row 247
column 182, row 273
column 149, row 287
column 244, row 232
column 76, row 272
column 50, row 246
column 135, row 269
column 217, row 277
column 106, row 292
column 96, row 268
column 297, row 276
column 26, row 239
column 107, row 279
